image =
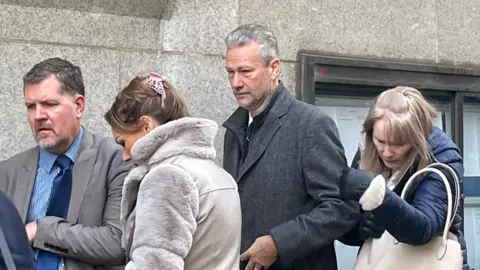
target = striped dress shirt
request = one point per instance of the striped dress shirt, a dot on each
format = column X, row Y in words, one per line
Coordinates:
column 46, row 172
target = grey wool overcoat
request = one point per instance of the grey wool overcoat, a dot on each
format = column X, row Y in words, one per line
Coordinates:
column 289, row 181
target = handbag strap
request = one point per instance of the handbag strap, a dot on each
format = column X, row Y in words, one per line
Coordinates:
column 449, row 195
column 7, row 255
column 456, row 182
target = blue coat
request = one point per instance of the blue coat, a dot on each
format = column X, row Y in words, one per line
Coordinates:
column 421, row 216
column 14, row 230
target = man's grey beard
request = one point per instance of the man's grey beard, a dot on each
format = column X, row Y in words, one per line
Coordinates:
column 48, row 143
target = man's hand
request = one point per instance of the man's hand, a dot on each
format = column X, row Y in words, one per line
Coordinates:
column 262, row 253
column 368, row 228
column 31, row 229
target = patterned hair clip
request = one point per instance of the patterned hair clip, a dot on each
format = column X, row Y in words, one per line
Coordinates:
column 156, row 82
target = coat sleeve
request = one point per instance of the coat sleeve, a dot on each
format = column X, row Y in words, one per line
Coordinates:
column 354, row 182
column 166, row 211
column 323, row 163
column 14, row 232
column 97, row 245
column 420, row 221
column 352, row 237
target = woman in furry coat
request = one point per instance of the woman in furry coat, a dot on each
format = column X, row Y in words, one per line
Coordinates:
column 179, row 209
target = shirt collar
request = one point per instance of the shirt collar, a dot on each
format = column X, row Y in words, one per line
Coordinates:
column 47, row 159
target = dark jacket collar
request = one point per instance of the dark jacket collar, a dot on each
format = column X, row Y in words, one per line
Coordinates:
column 277, row 106
column 263, row 128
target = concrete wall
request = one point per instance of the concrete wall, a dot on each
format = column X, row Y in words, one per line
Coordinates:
column 184, row 40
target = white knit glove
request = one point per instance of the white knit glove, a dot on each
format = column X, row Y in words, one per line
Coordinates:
column 374, row 195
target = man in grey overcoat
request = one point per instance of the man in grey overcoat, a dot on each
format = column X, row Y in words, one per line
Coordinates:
column 287, row 159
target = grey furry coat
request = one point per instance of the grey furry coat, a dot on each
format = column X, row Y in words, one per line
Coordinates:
column 179, row 209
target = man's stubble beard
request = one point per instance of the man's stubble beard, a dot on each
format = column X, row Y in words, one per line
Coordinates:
column 49, row 142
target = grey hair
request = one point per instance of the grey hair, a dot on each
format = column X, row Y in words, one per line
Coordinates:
column 257, row 33
column 68, row 75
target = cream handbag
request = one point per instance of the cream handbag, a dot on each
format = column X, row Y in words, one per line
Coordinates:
column 441, row 253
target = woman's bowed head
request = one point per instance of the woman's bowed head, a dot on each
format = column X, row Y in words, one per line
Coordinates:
column 396, row 131
column 147, row 102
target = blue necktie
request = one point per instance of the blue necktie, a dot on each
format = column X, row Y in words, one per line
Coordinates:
column 57, row 207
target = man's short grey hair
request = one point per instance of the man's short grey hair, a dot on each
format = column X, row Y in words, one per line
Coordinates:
column 257, row 33
column 68, row 75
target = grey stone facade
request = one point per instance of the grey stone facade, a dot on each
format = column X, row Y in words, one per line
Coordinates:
column 112, row 41
column 184, row 40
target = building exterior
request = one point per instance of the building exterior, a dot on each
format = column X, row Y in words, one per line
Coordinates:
column 335, row 54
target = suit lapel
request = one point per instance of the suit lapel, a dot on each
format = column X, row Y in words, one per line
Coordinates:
column 277, row 107
column 233, row 144
column 25, row 182
column 260, row 143
column 82, row 172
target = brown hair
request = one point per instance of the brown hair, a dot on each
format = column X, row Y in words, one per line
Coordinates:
column 409, row 116
column 139, row 99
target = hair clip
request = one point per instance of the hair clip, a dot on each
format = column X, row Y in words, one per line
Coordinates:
column 156, row 82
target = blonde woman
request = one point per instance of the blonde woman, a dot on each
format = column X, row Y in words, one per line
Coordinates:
column 399, row 139
column 179, row 209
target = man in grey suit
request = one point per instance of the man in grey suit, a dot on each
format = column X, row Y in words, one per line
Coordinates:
column 288, row 161
column 68, row 188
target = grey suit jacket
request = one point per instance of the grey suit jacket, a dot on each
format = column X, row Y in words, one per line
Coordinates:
column 90, row 237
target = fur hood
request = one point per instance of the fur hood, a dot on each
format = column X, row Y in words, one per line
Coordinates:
column 186, row 136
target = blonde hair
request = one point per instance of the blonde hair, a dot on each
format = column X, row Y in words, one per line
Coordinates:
column 138, row 99
column 409, row 118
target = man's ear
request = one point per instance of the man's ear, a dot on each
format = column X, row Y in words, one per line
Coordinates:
column 79, row 101
column 274, row 68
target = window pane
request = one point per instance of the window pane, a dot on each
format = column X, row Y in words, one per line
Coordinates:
column 471, row 224
column 471, row 180
column 444, row 116
column 471, row 132
column 348, row 114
